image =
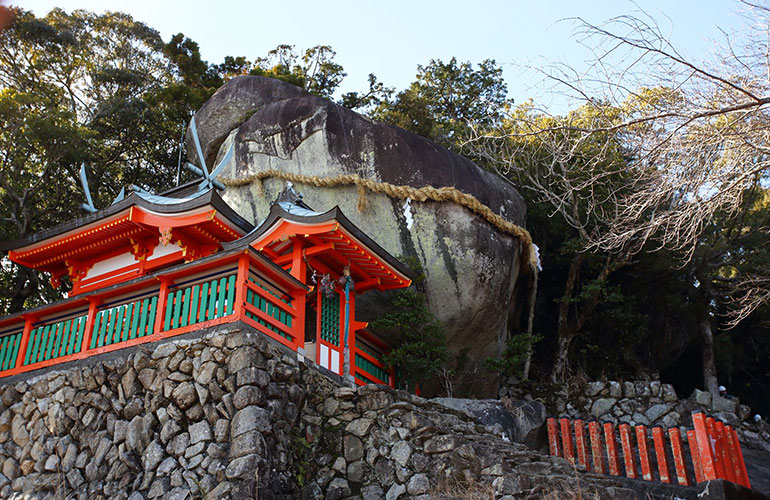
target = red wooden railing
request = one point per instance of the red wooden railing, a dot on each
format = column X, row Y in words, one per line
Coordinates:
column 236, row 287
column 369, row 369
column 714, row 450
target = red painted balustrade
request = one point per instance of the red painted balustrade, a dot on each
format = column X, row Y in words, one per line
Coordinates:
column 714, row 450
column 239, row 286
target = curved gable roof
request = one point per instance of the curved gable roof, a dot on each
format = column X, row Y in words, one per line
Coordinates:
column 154, row 203
column 278, row 213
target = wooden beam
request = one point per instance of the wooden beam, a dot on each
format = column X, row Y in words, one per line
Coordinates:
column 286, row 229
column 308, row 251
column 93, row 307
column 362, row 286
column 299, row 271
column 270, row 253
column 139, row 216
column 320, row 266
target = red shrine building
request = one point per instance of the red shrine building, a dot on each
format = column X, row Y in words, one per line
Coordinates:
column 151, row 266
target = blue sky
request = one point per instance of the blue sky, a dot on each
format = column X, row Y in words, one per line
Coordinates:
column 391, row 38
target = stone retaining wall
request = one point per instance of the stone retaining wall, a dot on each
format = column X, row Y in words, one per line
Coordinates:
column 205, row 417
column 377, row 443
column 227, row 414
column 646, row 402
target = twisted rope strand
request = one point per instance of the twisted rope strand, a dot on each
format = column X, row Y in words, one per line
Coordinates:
column 423, row 194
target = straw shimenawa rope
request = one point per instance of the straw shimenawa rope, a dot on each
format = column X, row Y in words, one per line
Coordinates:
column 423, row 194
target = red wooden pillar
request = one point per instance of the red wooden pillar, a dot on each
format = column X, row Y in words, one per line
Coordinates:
column 29, row 321
column 612, row 449
column 580, row 444
column 644, row 452
column 553, row 437
column 628, row 450
column 705, row 453
column 594, row 433
column 240, row 285
column 697, row 466
column 566, row 439
column 341, row 329
column 732, row 453
column 318, row 308
column 93, row 309
column 744, row 476
column 299, row 271
column 352, row 327
column 677, row 451
column 160, row 308
column 659, row 441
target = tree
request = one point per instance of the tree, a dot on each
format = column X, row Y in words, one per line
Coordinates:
column 314, row 70
column 578, row 177
column 445, row 99
column 421, row 352
column 693, row 133
column 366, row 102
column 84, row 88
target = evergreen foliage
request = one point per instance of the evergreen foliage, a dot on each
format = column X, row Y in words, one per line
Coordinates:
column 421, row 352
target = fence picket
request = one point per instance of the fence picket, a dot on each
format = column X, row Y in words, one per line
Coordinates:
column 566, row 439
column 4, row 350
column 643, row 448
column 65, row 337
column 149, row 330
column 212, row 300
column 710, row 440
column 596, row 446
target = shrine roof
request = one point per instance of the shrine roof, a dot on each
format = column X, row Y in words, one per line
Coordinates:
column 157, row 204
column 286, row 211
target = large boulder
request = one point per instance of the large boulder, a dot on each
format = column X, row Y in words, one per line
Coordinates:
column 518, row 420
column 471, row 268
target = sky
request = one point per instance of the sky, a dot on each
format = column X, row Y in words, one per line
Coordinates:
column 390, row 38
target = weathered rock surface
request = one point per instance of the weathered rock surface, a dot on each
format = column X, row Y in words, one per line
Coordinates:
column 515, row 421
column 471, row 268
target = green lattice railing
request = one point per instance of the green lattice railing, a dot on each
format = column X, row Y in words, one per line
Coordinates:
column 9, row 350
column 201, row 302
column 56, row 334
column 370, row 368
column 55, row 340
column 124, row 322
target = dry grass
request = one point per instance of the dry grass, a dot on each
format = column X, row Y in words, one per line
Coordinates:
column 452, row 489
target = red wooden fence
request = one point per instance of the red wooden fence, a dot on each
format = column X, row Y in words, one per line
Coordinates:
column 714, row 450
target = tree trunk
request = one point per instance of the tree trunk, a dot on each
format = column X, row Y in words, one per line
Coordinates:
column 568, row 331
column 559, row 373
column 710, row 382
column 24, row 286
column 565, row 333
column 530, row 323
